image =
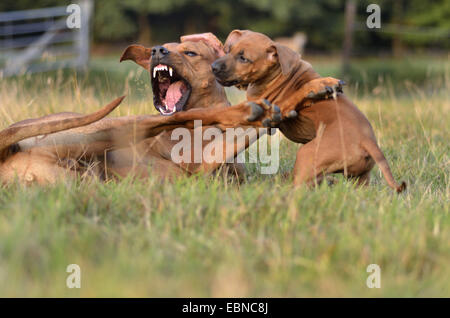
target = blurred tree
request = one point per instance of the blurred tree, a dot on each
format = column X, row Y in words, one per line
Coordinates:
column 350, row 11
column 10, row 5
column 397, row 18
column 112, row 22
column 433, row 16
column 411, row 23
column 151, row 21
column 156, row 21
column 143, row 8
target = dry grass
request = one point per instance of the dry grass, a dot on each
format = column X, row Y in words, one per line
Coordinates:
column 204, row 237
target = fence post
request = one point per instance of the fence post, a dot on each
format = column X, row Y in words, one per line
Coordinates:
column 83, row 34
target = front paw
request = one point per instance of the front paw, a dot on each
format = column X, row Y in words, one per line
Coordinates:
column 264, row 114
column 324, row 88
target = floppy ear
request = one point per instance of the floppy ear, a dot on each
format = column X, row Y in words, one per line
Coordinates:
column 210, row 39
column 285, row 56
column 139, row 54
column 233, row 37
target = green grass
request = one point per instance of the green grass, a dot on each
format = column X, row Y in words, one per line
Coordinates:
column 202, row 236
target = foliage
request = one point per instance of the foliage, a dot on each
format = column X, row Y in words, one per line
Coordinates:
column 155, row 21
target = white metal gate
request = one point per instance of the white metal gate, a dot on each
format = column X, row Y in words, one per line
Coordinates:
column 40, row 40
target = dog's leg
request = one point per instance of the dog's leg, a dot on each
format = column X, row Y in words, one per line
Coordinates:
column 363, row 179
column 38, row 166
column 306, row 166
column 316, row 89
column 324, row 155
column 33, row 167
column 222, row 150
column 256, row 113
column 322, row 88
column 233, row 144
column 122, row 163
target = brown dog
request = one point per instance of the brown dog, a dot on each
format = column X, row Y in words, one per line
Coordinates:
column 181, row 79
column 57, row 146
column 37, row 165
column 185, row 89
column 64, row 147
column 338, row 137
column 63, row 150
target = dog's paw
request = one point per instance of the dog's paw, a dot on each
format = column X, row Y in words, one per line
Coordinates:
column 264, row 113
column 324, row 88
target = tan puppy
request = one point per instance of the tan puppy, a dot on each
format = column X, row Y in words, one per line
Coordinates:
column 338, row 137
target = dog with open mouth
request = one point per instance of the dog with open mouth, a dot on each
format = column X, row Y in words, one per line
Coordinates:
column 179, row 74
column 171, row 91
column 57, row 146
column 64, row 145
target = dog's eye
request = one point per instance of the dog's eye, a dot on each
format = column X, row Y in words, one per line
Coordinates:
column 242, row 59
column 190, row 53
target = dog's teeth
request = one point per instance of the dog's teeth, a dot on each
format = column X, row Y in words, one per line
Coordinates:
column 154, row 72
column 170, row 71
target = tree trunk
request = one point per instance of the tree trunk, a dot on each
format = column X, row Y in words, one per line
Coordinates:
column 145, row 32
column 397, row 42
column 350, row 11
column 190, row 25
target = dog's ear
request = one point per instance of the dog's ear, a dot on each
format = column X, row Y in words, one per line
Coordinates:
column 139, row 54
column 285, row 56
column 210, row 39
column 233, row 37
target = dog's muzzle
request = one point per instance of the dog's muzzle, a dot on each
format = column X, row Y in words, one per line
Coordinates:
column 170, row 90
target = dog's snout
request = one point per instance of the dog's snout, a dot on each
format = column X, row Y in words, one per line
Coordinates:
column 217, row 67
column 159, row 51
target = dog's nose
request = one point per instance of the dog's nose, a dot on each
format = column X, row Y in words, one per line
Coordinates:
column 159, row 51
column 217, row 67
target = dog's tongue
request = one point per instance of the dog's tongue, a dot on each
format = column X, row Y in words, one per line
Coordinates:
column 174, row 93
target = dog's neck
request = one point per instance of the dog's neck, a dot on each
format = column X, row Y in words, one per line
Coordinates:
column 279, row 88
column 212, row 95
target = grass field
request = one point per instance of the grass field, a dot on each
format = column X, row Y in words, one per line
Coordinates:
column 202, row 236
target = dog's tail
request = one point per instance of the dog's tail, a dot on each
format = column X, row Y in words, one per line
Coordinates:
column 374, row 151
column 16, row 133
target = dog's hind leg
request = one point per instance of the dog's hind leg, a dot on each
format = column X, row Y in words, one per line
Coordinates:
column 306, row 168
column 33, row 167
column 324, row 155
column 363, row 179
